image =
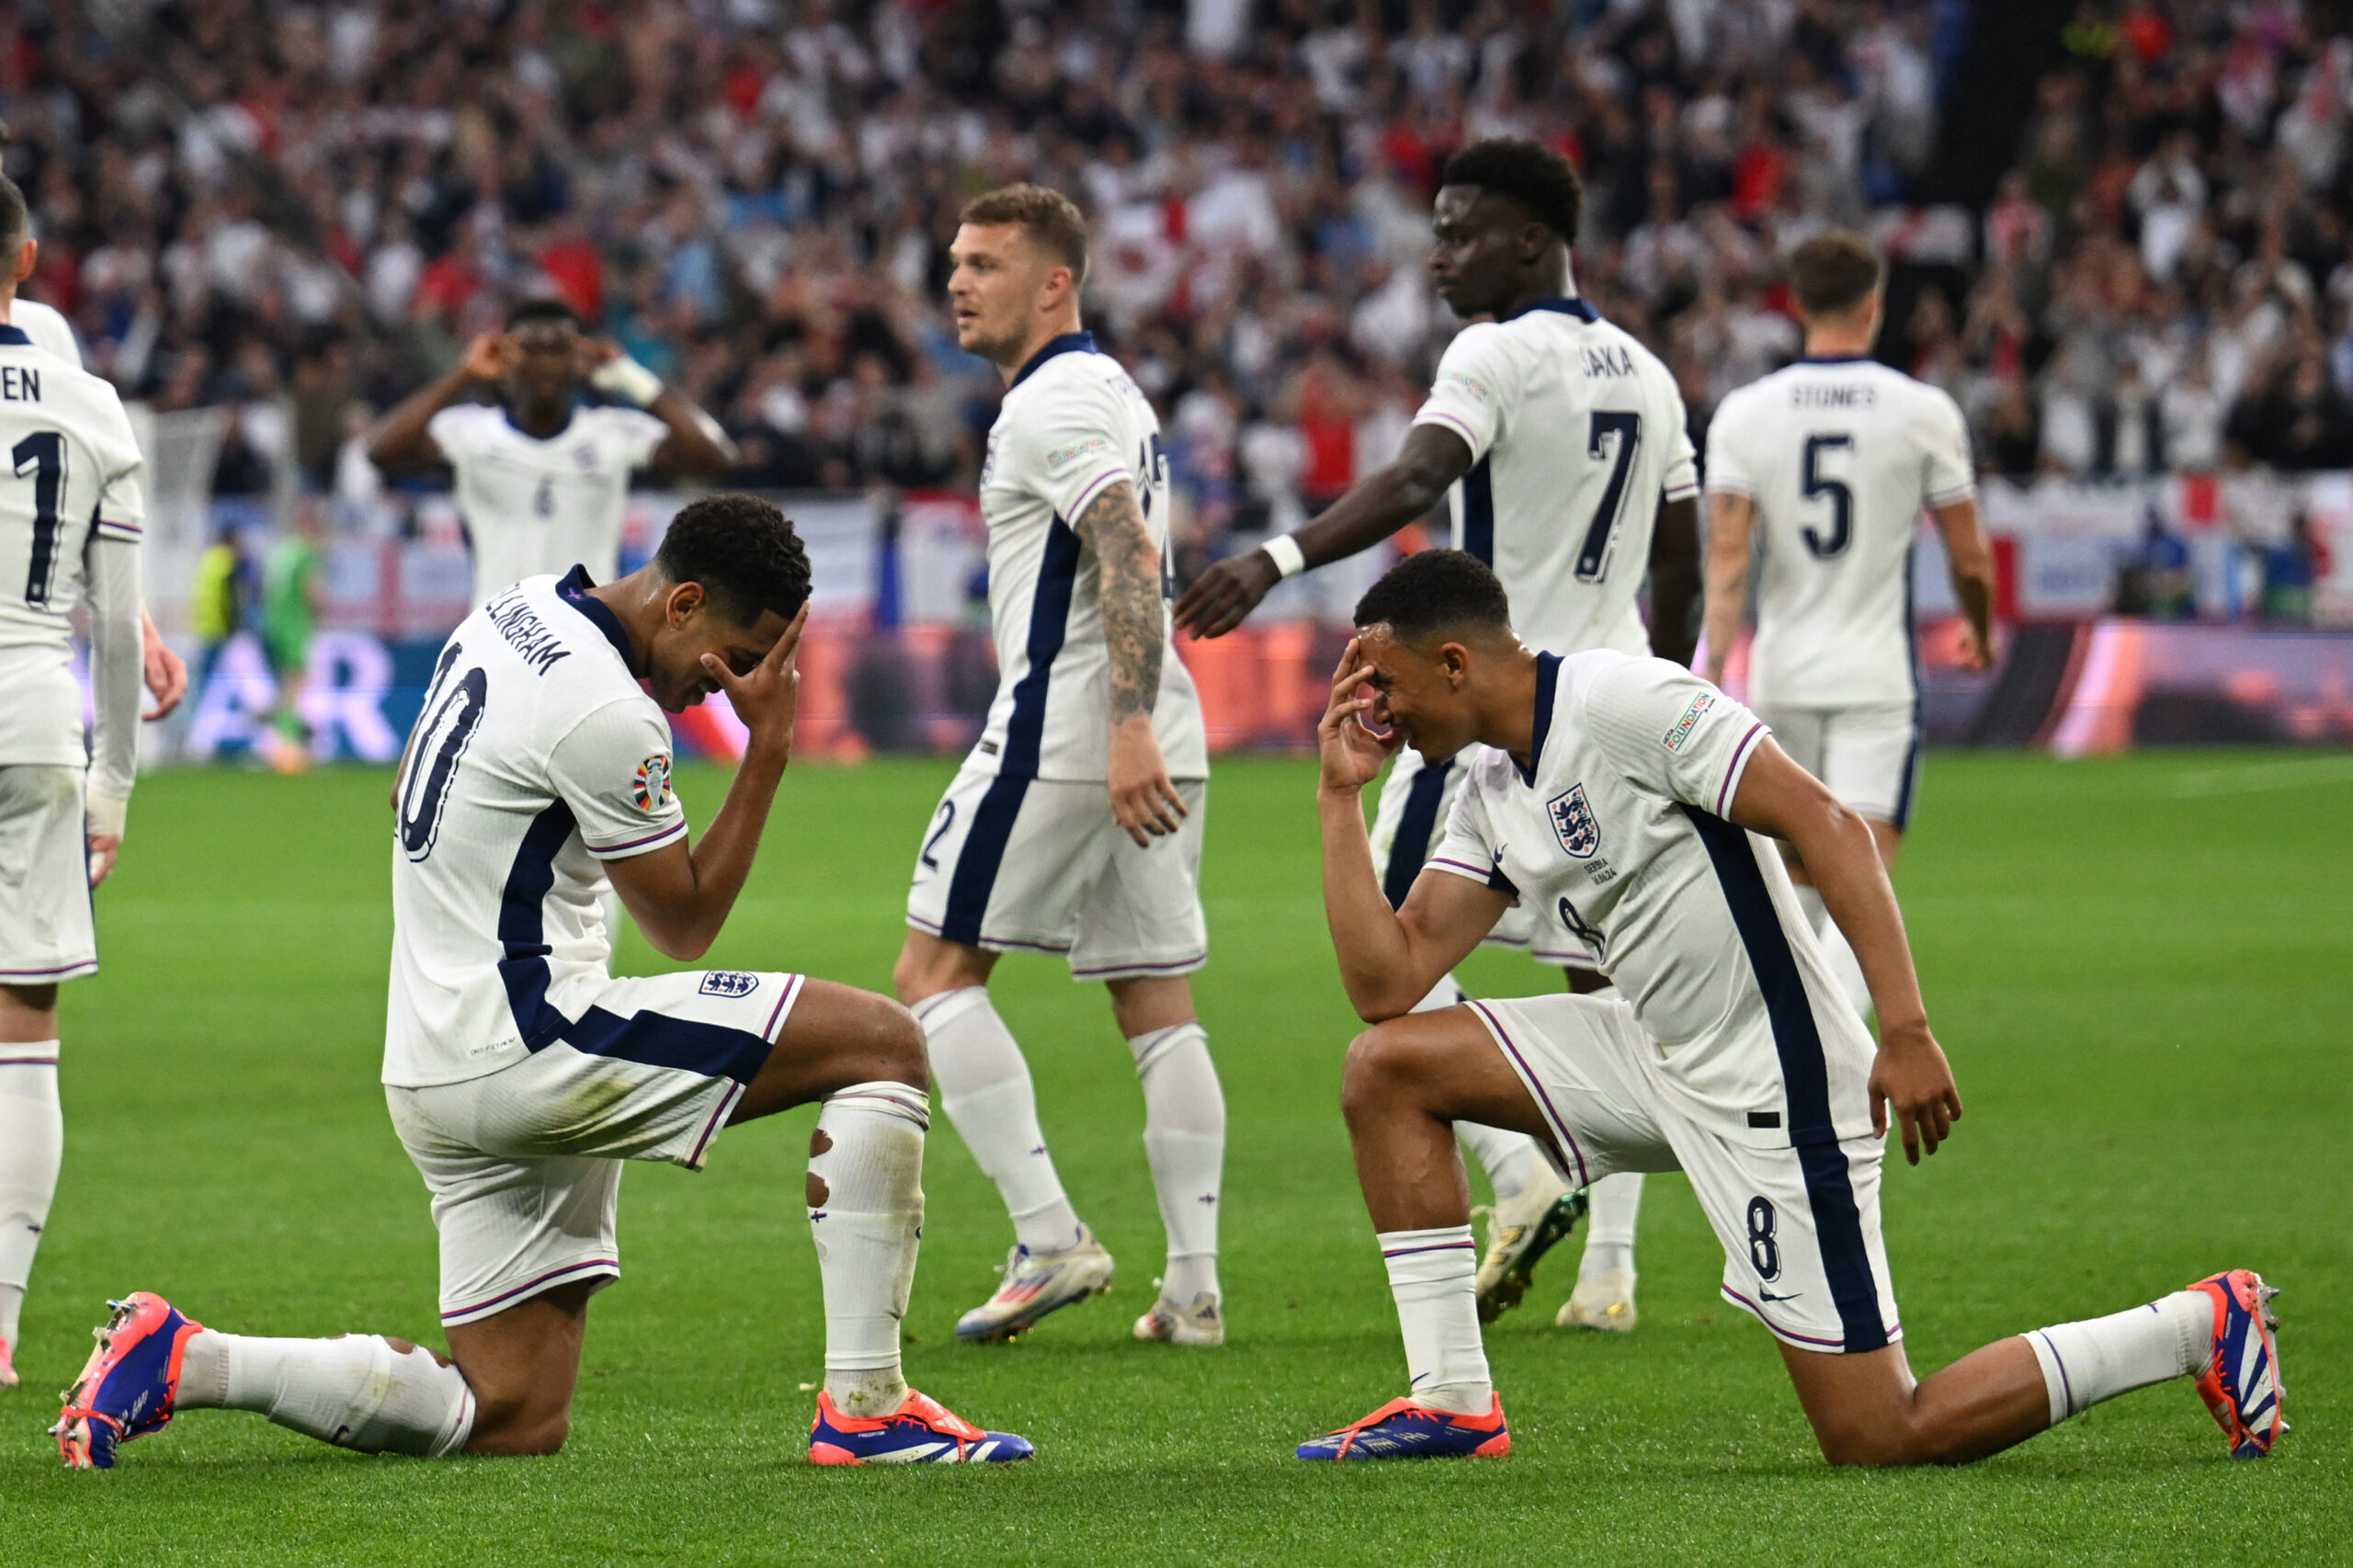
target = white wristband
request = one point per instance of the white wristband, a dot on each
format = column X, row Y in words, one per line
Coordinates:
column 1284, row 551
column 103, row 814
column 626, row 378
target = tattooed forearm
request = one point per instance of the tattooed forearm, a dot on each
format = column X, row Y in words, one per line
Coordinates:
column 1132, row 626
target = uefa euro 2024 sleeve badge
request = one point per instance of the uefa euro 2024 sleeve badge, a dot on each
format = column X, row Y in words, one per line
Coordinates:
column 1573, row 820
column 651, row 789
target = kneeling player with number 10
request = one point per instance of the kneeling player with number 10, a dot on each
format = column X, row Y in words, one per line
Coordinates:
column 1636, row 802
column 520, row 1073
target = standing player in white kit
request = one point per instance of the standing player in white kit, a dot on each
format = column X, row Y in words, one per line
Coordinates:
column 543, row 477
column 1560, row 442
column 1075, row 826
column 71, row 516
column 1827, row 465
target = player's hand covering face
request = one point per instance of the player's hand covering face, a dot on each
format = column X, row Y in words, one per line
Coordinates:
column 767, row 696
column 1352, row 753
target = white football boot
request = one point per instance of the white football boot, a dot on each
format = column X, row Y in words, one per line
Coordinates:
column 1602, row 1300
column 1203, row 1323
column 1037, row 1283
column 1520, row 1229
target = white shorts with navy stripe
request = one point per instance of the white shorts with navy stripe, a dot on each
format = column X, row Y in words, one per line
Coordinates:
column 1868, row 753
column 1038, row 864
column 525, row 1163
column 1799, row 1225
column 46, row 931
column 1409, row 822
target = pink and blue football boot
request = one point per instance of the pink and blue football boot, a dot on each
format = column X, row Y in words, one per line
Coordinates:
column 128, row 1386
column 1403, row 1430
column 2241, row 1384
column 921, row 1431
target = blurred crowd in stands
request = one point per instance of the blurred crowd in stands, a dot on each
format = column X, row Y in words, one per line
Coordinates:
column 305, row 210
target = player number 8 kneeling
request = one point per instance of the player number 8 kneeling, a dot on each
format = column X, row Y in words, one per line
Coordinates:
column 1763, row 1250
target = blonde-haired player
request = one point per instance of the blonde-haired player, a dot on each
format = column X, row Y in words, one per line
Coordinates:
column 1826, row 464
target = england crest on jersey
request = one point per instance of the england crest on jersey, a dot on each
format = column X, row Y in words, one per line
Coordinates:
column 729, row 983
column 1574, row 822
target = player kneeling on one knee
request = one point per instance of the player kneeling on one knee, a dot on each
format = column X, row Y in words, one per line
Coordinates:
column 1637, row 803
column 540, row 769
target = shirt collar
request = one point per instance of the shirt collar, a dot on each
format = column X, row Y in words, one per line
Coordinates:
column 15, row 336
column 508, row 414
column 574, row 590
column 1548, row 681
column 1837, row 359
column 1563, row 304
column 1068, row 343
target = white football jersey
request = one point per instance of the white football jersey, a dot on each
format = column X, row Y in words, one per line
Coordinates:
column 1072, row 425
column 536, row 507
column 1576, row 435
column 537, row 757
column 74, row 481
column 1839, row 455
column 1620, row 835
column 47, row 327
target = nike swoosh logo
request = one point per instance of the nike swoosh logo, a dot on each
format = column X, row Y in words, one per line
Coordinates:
column 1769, row 1296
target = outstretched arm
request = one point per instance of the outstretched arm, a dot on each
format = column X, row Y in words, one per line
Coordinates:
column 1730, row 519
column 1143, row 801
column 398, row 441
column 1973, row 577
column 1779, row 798
column 1389, row 958
column 1433, row 457
column 681, row 896
column 1674, row 578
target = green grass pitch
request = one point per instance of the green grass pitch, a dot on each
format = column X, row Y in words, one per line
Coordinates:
column 2143, row 989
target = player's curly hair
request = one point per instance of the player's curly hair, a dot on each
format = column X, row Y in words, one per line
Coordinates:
column 1436, row 590
column 543, row 309
column 743, row 550
column 1531, row 176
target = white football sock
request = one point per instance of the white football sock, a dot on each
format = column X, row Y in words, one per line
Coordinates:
column 1432, row 1276
column 356, row 1392
column 32, row 1144
column 985, row 1088
column 1510, row 1159
column 1184, row 1139
column 1845, row 967
column 2083, row 1363
column 1615, row 1204
column 1447, row 993
column 865, row 1212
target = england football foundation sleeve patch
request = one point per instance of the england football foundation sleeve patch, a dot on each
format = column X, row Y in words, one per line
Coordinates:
column 1470, row 849
column 1673, row 732
column 1474, row 388
column 1074, row 450
column 613, row 771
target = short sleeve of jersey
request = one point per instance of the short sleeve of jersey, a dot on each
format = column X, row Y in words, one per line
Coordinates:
column 1071, row 447
column 1470, row 849
column 457, row 430
column 1727, row 474
column 1681, row 481
column 1474, row 388
column 629, row 436
column 1672, row 732
column 613, row 771
column 1948, row 474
